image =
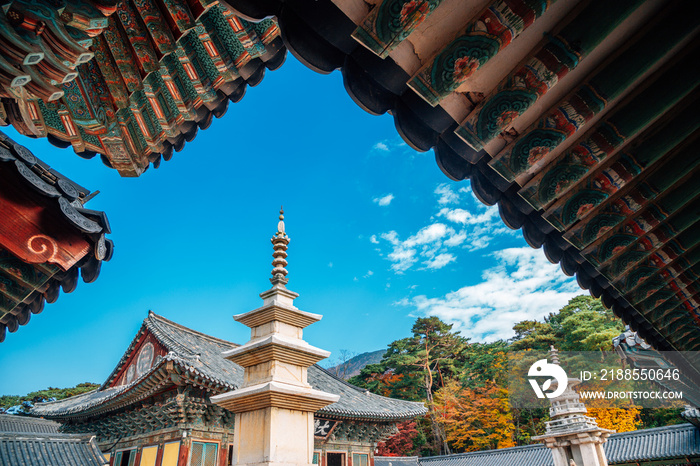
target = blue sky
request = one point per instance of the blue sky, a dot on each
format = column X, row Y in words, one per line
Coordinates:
column 379, row 236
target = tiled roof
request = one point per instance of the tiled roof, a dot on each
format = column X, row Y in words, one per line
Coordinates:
column 25, row 287
column 531, row 455
column 654, row 444
column 692, row 415
column 661, row 443
column 32, row 449
column 29, row 441
column 200, row 354
column 12, row 423
column 396, row 461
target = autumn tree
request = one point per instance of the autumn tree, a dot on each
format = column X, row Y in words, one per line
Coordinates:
column 414, row 368
column 475, row 419
column 405, row 443
column 619, row 419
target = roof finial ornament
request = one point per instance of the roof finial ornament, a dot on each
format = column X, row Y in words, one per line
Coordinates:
column 279, row 243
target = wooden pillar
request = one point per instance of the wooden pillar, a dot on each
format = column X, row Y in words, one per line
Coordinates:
column 184, row 451
column 159, row 455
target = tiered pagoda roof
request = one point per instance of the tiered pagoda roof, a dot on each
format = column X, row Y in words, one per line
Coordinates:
column 161, row 71
column 194, row 357
column 576, row 118
column 47, row 235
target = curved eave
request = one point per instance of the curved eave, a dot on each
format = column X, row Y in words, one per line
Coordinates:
column 386, row 409
column 370, row 416
column 159, row 378
column 65, row 199
column 138, row 100
column 320, row 35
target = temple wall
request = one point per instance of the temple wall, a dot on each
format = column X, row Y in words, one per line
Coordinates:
column 174, row 447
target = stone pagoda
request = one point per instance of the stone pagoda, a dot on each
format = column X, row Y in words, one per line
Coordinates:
column 574, row 438
column 274, row 408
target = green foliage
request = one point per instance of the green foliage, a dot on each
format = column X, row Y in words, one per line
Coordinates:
column 585, row 325
column 530, row 334
column 7, row 401
column 434, row 352
column 582, row 325
column 485, row 363
column 660, row 417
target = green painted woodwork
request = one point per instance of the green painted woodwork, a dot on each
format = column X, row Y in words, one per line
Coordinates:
column 592, row 97
column 141, row 62
column 481, row 40
column 390, row 22
column 585, row 196
column 550, row 63
column 625, row 122
column 616, row 211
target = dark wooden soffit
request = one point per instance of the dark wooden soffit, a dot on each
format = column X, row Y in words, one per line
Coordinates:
column 161, row 70
column 577, row 118
column 47, row 236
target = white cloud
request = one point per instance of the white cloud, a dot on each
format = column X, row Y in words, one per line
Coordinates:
column 385, row 200
column 426, row 244
column 381, row 146
column 390, row 146
column 523, row 285
column 479, row 217
column 446, row 195
column 470, row 227
column 439, row 261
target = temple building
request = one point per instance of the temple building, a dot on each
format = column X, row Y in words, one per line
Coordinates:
column 167, row 402
column 575, row 117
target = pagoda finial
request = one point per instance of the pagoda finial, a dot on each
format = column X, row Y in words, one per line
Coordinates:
column 554, row 354
column 280, row 242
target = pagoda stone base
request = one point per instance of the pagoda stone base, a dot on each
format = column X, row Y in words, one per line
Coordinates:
column 273, row 437
column 585, row 448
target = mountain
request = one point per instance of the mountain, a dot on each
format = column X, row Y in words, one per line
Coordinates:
column 354, row 365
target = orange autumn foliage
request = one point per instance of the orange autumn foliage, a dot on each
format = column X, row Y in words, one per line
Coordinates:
column 475, row 418
column 618, row 419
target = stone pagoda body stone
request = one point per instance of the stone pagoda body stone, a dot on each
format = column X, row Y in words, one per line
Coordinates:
column 274, row 409
column 574, row 438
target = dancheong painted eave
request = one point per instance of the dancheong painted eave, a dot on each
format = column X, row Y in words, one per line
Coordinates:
column 48, row 238
column 131, row 81
column 576, row 118
column 182, row 353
